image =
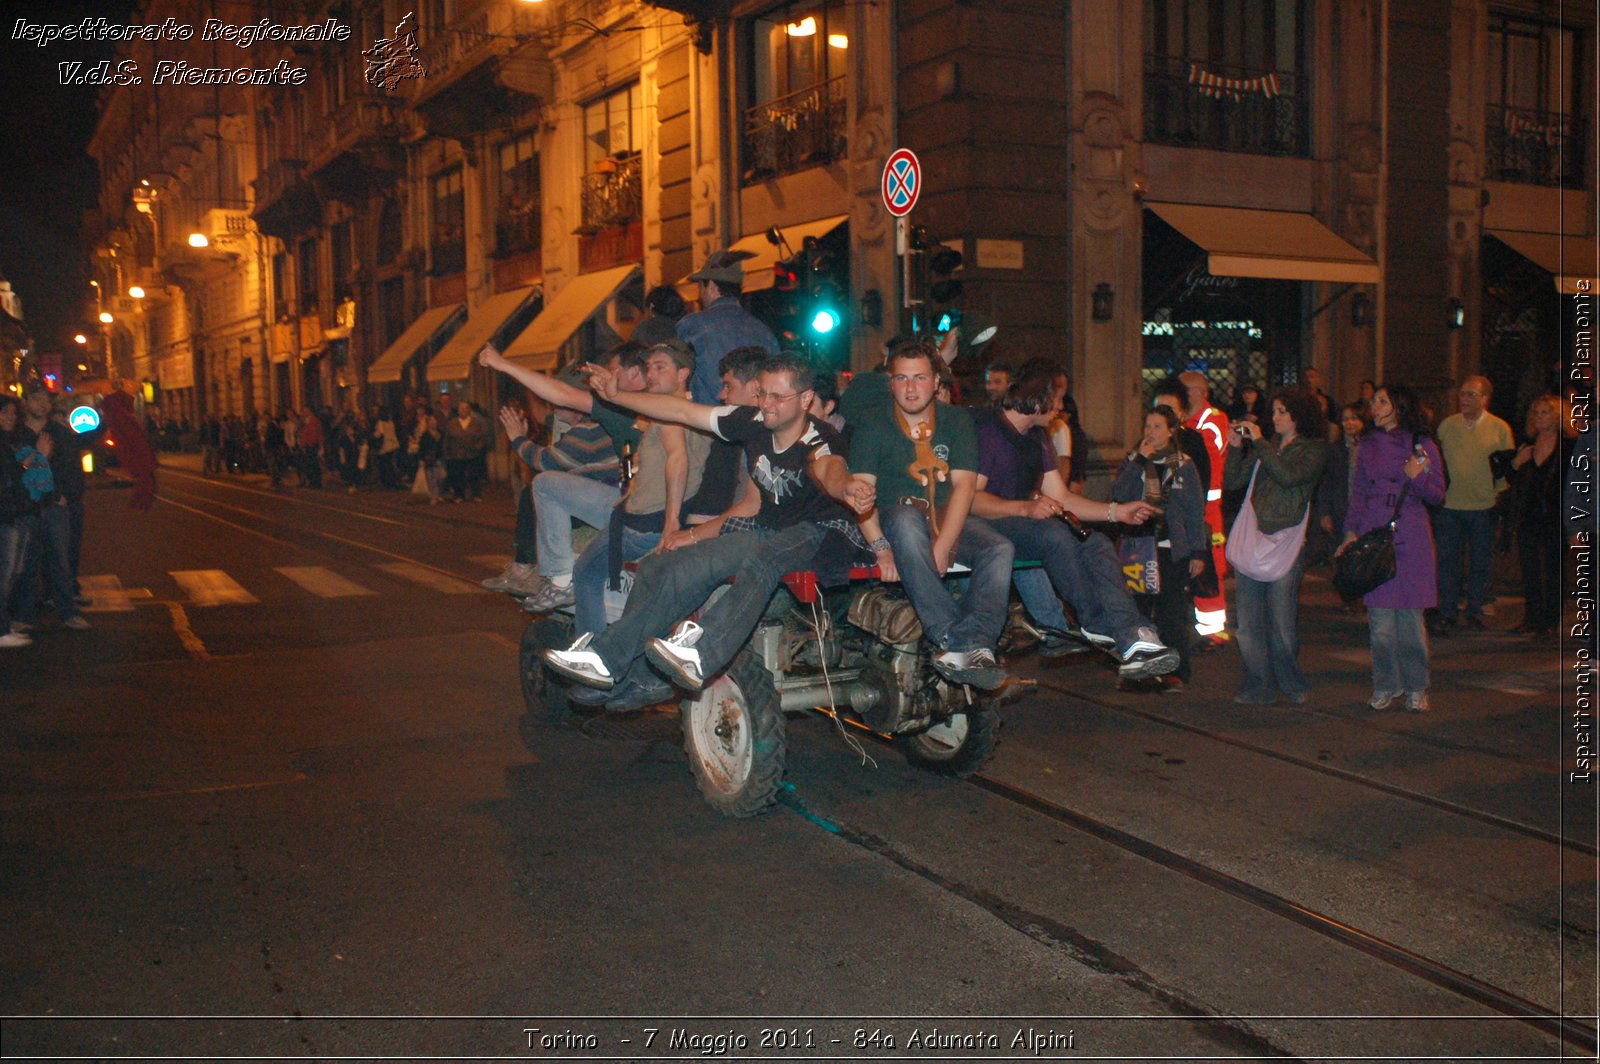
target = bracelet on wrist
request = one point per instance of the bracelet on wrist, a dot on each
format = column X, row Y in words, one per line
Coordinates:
column 879, row 545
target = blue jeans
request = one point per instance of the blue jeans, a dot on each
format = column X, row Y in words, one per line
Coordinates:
column 1268, row 639
column 592, row 570
column 1040, row 599
column 671, row 586
column 1087, row 575
column 1455, row 531
column 1399, row 651
column 557, row 499
column 14, row 538
column 975, row 622
column 49, row 553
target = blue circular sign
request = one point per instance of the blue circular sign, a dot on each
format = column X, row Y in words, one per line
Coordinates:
column 84, row 419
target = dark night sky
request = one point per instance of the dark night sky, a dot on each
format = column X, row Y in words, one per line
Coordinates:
column 46, row 176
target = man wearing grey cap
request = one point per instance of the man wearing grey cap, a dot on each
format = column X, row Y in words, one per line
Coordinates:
column 722, row 325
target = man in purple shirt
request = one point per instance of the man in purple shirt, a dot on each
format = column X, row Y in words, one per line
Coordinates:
column 1022, row 496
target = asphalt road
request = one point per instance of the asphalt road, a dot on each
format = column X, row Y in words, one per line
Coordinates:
column 283, row 800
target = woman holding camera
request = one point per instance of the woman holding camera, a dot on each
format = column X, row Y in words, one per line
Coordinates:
column 1398, row 458
column 1266, row 546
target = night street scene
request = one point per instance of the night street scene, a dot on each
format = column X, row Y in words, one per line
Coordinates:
column 655, row 530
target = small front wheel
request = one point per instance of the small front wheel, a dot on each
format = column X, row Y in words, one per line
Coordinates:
column 540, row 692
column 955, row 747
column 734, row 734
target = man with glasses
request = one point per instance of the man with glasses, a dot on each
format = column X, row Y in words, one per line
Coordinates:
column 789, row 454
column 1464, row 526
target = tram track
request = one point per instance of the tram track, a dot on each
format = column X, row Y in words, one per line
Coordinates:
column 1344, row 775
column 200, row 503
column 1052, row 931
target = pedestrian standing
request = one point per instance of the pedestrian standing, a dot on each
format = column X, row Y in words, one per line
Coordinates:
column 1464, row 526
column 310, row 437
column 1398, row 465
column 1211, row 611
column 466, row 435
column 1536, row 483
column 1266, row 545
column 19, row 512
column 1159, row 473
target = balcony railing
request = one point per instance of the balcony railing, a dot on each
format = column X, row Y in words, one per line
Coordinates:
column 491, row 30
column 1195, row 103
column 615, row 195
column 793, row 132
column 1533, row 147
column 278, row 177
column 516, row 231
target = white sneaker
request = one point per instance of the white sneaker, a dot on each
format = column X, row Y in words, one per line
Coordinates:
column 1147, row 657
column 77, row 622
column 579, row 663
column 1104, row 642
column 20, row 627
column 677, row 654
column 15, row 639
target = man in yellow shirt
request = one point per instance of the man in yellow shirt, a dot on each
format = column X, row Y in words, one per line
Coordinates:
column 1464, row 526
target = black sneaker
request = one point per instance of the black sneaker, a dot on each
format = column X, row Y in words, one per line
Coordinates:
column 974, row 668
column 1058, row 644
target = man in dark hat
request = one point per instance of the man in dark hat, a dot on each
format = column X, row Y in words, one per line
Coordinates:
column 722, row 325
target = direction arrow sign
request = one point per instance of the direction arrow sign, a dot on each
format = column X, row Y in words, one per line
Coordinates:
column 84, row 419
column 902, row 182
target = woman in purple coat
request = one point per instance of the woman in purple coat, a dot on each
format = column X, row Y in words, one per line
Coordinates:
column 1398, row 451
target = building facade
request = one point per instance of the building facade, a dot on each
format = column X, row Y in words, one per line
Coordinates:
column 1250, row 187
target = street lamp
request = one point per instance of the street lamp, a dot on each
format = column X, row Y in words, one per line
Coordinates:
column 136, row 292
column 80, row 339
column 106, row 318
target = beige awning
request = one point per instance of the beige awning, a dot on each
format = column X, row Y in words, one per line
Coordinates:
column 1569, row 259
column 537, row 346
column 454, row 360
column 1282, row 245
column 386, row 369
column 758, row 270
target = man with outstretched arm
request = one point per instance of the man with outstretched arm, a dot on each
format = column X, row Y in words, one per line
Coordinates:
column 919, row 467
column 1021, row 493
column 788, row 453
column 559, row 497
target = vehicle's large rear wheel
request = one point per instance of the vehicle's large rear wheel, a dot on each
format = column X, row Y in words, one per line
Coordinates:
column 733, row 732
column 541, row 693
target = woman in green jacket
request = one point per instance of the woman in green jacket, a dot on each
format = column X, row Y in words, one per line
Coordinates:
column 1268, row 564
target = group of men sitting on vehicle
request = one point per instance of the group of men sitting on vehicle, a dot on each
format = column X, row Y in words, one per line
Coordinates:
column 765, row 484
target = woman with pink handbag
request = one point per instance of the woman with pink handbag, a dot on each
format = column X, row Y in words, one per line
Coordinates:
column 1266, row 546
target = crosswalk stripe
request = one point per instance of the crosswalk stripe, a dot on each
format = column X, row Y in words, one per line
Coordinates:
column 211, row 587
column 109, row 595
column 324, row 583
column 421, row 574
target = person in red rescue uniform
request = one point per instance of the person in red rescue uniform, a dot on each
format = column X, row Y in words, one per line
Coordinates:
column 1210, row 612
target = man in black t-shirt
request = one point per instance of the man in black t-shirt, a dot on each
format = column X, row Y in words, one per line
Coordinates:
column 788, row 453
